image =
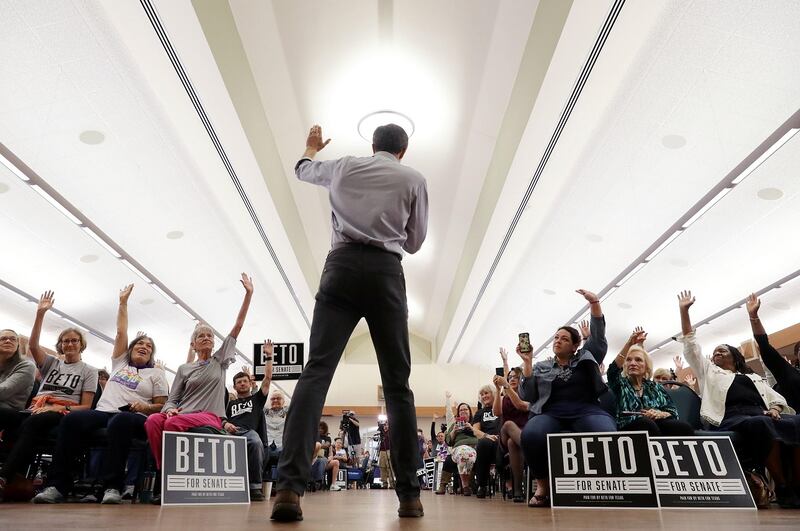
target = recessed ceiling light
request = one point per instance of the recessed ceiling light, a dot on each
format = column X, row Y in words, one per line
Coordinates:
column 4, row 188
column 146, row 301
column 770, row 194
column 780, row 306
column 175, row 235
column 89, row 258
column 624, row 305
column 594, row 238
column 368, row 124
column 678, row 262
column 673, row 141
column 548, row 292
column 92, row 137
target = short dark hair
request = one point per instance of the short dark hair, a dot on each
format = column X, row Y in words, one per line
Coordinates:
column 738, row 360
column 574, row 335
column 240, row 374
column 468, row 408
column 390, row 138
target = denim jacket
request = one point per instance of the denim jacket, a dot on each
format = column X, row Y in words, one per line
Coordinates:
column 536, row 389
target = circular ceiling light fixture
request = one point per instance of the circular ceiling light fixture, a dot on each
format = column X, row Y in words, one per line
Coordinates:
column 368, row 124
column 92, row 138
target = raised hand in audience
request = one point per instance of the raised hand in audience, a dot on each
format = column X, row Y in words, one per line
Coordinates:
column 584, row 329
column 639, row 336
column 685, row 301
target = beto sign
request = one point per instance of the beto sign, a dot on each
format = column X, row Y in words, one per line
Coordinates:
column 699, row 472
column 287, row 362
column 200, row 468
column 601, row 470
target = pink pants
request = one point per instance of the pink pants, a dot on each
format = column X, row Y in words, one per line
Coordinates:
column 158, row 423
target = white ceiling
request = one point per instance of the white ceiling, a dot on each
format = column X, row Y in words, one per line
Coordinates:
column 722, row 76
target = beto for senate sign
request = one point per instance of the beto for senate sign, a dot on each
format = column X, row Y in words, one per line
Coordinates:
column 601, row 470
column 287, row 361
column 207, row 469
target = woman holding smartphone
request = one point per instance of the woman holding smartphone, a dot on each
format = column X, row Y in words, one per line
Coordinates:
column 461, row 438
column 642, row 404
column 513, row 413
column 135, row 389
column 563, row 393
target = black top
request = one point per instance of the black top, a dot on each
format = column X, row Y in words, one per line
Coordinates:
column 788, row 377
column 743, row 397
column 489, row 423
column 248, row 412
column 571, row 390
column 326, row 439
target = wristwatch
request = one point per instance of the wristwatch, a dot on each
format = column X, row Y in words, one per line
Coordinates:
column 67, row 408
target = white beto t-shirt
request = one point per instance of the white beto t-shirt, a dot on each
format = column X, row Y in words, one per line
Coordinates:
column 128, row 384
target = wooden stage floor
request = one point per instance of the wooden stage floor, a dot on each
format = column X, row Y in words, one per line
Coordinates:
column 376, row 510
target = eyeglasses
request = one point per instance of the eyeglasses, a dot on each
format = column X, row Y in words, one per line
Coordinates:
column 512, row 377
column 70, row 341
column 10, row 339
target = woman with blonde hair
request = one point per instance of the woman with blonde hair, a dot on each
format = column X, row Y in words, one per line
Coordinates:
column 642, row 404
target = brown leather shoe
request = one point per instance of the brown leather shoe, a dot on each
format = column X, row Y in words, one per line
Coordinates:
column 286, row 507
column 410, row 509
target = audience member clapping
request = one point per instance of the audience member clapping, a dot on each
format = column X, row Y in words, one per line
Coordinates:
column 642, row 404
column 67, row 385
column 736, row 399
column 563, row 393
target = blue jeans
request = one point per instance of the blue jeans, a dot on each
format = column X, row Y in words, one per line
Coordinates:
column 534, row 436
column 255, row 457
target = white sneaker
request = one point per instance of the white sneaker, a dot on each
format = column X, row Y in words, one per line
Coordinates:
column 127, row 494
column 112, row 496
column 336, row 488
column 49, row 495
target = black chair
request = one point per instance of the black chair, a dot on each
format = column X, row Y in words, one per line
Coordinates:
column 688, row 405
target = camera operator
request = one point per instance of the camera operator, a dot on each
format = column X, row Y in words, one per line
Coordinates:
column 384, row 455
column 349, row 432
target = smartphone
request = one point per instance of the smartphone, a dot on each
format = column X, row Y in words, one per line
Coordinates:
column 629, row 413
column 525, row 342
column 499, row 371
column 126, row 407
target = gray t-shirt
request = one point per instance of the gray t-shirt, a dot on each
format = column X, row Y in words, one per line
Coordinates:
column 66, row 381
column 200, row 385
column 16, row 383
column 276, row 421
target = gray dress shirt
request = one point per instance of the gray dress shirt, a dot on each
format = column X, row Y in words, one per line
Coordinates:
column 374, row 200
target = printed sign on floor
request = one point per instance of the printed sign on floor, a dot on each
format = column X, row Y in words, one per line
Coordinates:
column 430, row 472
column 200, row 468
column 699, row 472
column 287, row 361
column 596, row 470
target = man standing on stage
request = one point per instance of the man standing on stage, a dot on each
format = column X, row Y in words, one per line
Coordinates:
column 379, row 210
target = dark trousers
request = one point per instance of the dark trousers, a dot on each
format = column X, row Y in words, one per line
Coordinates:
column 486, row 451
column 30, row 432
column 73, row 433
column 534, row 436
column 358, row 281
column 669, row 427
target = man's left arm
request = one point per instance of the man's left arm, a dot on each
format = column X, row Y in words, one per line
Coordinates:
column 417, row 225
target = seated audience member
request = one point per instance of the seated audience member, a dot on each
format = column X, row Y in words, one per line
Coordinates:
column 198, row 392
column 442, row 450
column 339, row 457
column 385, row 456
column 16, row 378
column 138, row 387
column 486, row 427
column 275, row 419
column 662, row 375
column 736, row 399
column 321, row 463
column 245, row 417
column 563, row 393
column 642, row 404
column 785, row 374
column 67, row 385
column 513, row 412
column 461, row 437
column 103, row 376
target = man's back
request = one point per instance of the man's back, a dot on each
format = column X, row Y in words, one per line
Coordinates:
column 374, row 200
